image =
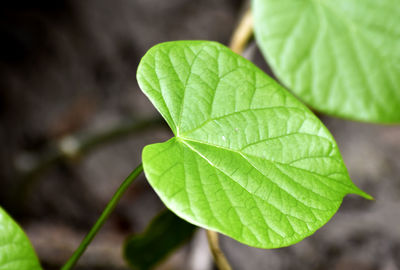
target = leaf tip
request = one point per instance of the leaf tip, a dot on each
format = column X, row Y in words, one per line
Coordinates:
column 364, row 194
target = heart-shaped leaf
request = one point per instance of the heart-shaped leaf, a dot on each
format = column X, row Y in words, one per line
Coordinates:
column 16, row 251
column 247, row 160
column 341, row 57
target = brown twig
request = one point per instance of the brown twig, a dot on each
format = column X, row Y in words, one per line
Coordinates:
column 72, row 147
column 219, row 257
column 240, row 38
column 243, row 33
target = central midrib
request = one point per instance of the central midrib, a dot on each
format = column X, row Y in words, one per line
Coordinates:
column 186, row 141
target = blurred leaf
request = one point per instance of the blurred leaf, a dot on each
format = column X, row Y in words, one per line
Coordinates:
column 341, row 57
column 16, row 252
column 165, row 233
column 248, row 159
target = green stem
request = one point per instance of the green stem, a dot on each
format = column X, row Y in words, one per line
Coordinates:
column 102, row 219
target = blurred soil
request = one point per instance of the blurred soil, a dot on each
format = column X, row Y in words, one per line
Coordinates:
column 68, row 67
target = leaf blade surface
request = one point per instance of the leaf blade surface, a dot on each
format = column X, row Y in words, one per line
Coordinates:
column 340, row 57
column 165, row 233
column 16, row 252
column 248, row 159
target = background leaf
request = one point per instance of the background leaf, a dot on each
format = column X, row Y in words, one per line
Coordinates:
column 16, row 251
column 165, row 233
column 341, row 57
column 248, row 159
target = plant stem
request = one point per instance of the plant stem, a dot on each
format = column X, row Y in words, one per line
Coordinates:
column 242, row 33
column 219, row 257
column 102, row 219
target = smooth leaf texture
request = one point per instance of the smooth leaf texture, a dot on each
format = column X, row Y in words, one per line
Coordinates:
column 16, row 251
column 165, row 233
column 247, row 160
column 341, row 57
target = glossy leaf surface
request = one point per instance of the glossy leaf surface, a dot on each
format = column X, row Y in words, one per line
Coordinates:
column 341, row 57
column 248, row 159
column 16, row 251
column 165, row 233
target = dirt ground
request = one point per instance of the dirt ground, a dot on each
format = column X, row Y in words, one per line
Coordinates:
column 68, row 67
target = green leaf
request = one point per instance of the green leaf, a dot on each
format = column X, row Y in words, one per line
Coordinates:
column 248, row 159
column 165, row 233
column 340, row 57
column 16, row 251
